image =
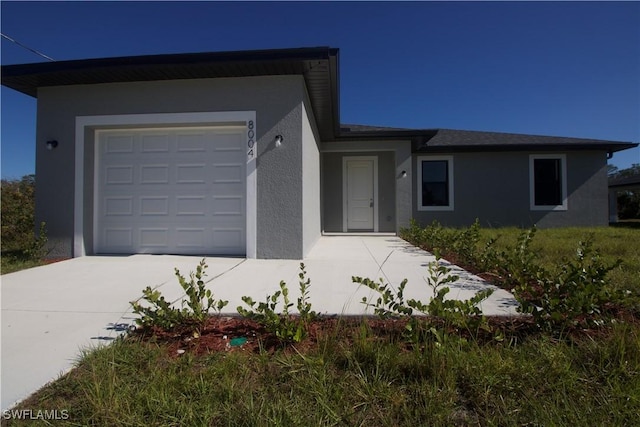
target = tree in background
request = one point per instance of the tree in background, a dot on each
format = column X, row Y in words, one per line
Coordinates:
column 628, row 200
column 18, row 219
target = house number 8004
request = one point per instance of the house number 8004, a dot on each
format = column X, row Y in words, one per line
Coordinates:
column 250, row 139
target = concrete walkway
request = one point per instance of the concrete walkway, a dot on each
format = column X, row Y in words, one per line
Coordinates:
column 50, row 313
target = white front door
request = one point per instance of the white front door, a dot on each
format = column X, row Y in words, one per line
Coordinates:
column 360, row 195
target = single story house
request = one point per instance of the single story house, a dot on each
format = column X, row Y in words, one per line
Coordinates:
column 243, row 153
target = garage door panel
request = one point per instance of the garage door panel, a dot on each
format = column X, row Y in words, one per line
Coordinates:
column 154, row 237
column 154, row 143
column 191, row 173
column 193, row 238
column 118, row 206
column 228, row 156
column 154, row 174
column 154, row 205
column 187, row 143
column 191, row 205
column 226, row 190
column 228, row 173
column 228, row 143
column 116, row 144
column 118, row 175
column 228, row 205
column 171, row 191
column 227, row 238
column 118, row 237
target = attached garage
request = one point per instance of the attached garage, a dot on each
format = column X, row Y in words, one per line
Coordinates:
column 178, row 190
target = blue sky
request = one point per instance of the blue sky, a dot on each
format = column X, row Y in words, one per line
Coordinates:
column 545, row 68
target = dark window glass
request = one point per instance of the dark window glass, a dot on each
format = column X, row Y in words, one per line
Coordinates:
column 547, row 182
column 435, row 183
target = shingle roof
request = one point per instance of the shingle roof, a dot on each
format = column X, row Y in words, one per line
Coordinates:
column 440, row 140
column 625, row 181
column 448, row 138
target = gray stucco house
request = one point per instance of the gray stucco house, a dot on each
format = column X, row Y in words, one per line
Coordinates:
column 243, row 153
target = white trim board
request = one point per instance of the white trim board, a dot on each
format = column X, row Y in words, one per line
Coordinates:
column 164, row 119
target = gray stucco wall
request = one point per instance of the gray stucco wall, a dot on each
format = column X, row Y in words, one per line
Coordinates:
column 394, row 193
column 494, row 187
column 277, row 101
column 332, row 192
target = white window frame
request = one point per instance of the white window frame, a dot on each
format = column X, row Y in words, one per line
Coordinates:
column 563, row 173
column 449, row 160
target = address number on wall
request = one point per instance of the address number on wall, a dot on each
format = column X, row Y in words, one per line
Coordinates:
column 251, row 141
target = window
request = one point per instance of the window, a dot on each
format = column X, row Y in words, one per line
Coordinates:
column 548, row 182
column 435, row 183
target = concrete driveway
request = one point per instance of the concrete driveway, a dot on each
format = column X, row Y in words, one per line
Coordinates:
column 50, row 313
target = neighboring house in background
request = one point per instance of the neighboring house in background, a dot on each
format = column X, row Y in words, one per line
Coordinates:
column 617, row 184
column 242, row 153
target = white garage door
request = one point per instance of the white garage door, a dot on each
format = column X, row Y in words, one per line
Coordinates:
column 171, row 191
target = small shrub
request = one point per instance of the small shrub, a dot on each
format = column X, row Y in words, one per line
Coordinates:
column 18, row 208
column 304, row 306
column 415, row 233
column 390, row 303
column 455, row 313
column 573, row 294
column 489, row 258
column 283, row 325
column 437, row 237
column 519, row 266
column 36, row 249
column 162, row 314
column 18, row 239
column 199, row 300
column 462, row 242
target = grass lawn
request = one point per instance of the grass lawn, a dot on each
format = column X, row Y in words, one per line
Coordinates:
column 11, row 264
column 352, row 373
column 616, row 242
column 16, row 260
column 351, row 377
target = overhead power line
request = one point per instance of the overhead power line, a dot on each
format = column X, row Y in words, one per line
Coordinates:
column 26, row 47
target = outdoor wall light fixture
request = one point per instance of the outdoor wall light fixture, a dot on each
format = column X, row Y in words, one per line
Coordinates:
column 279, row 140
column 52, row 144
column 403, row 174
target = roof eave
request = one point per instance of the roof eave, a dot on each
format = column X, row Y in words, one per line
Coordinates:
column 421, row 137
column 415, row 136
column 607, row 147
column 317, row 65
column 26, row 78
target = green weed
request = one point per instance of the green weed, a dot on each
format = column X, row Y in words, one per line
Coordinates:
column 194, row 310
column 455, row 313
column 283, row 324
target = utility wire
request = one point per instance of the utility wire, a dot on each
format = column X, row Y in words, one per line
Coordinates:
column 26, row 47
